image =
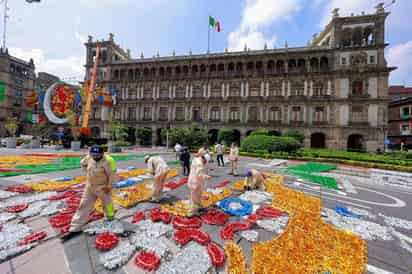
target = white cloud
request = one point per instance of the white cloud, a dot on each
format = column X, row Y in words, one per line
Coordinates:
column 401, row 56
column 71, row 66
column 256, row 15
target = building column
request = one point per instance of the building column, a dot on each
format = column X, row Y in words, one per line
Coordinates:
column 247, row 89
column 329, row 90
column 204, row 90
column 311, row 88
column 170, row 92
column 305, row 88
column 223, row 90
column 227, row 89
column 242, row 89
column 288, row 91
column 191, row 91
column 209, row 90
column 283, row 88
column 174, row 91
column 262, row 89
column 154, row 92
column 187, row 91
column 267, row 89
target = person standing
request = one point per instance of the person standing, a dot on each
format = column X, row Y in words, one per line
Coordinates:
column 159, row 169
column 254, row 180
column 178, row 150
column 220, row 150
column 185, row 160
column 196, row 181
column 101, row 174
column 234, row 157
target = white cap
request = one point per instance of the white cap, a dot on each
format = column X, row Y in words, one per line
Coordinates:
column 146, row 158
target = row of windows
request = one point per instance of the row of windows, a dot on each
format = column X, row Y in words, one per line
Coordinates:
column 274, row 114
column 279, row 66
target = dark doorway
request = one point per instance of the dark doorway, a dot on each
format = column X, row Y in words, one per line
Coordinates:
column 317, row 140
column 355, row 142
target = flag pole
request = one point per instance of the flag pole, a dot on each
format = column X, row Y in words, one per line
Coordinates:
column 208, row 35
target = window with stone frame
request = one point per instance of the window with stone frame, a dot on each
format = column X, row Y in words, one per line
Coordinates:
column 297, row 88
column 405, row 129
column 131, row 114
column 275, row 114
column 164, row 93
column 405, row 111
column 180, row 114
column 117, row 114
column 148, row 93
column 253, row 114
column 358, row 113
column 215, row 114
column 234, row 90
column 296, row 114
column 319, row 114
column 132, row 93
column 196, row 114
column 147, row 113
column 180, row 92
column 357, row 88
column 275, row 88
column 234, row 114
column 197, row 91
column 254, row 89
column 319, row 88
column 216, row 90
column 163, row 113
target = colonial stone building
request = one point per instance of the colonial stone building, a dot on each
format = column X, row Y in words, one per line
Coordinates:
column 335, row 89
column 19, row 77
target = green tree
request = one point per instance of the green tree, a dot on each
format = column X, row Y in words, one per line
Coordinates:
column 116, row 130
column 12, row 124
column 144, row 135
column 298, row 135
column 191, row 137
column 226, row 135
column 260, row 131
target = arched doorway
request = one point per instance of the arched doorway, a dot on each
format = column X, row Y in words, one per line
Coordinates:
column 355, row 142
column 159, row 139
column 317, row 140
column 274, row 133
column 236, row 137
column 95, row 132
column 213, row 136
column 249, row 132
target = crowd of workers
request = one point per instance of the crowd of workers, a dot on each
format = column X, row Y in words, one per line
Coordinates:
column 101, row 174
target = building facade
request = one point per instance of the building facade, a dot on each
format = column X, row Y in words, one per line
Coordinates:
column 19, row 77
column 335, row 89
column 400, row 118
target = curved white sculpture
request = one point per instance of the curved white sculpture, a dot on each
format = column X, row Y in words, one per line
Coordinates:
column 47, row 106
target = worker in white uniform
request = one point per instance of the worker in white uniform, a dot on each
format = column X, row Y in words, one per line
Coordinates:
column 159, row 169
column 197, row 177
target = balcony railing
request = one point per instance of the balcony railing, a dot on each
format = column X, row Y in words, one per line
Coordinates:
column 406, row 132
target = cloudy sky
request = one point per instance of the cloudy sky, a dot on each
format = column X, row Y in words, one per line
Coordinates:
column 53, row 32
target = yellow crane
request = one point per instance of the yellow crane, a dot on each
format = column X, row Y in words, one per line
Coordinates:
column 85, row 130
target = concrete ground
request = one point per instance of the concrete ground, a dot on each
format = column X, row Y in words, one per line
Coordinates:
column 78, row 255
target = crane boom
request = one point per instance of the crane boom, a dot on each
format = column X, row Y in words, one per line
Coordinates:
column 86, row 113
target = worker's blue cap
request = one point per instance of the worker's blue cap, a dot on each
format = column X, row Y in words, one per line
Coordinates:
column 96, row 150
column 248, row 173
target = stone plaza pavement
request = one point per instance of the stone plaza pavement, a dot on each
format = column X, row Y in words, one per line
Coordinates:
column 386, row 223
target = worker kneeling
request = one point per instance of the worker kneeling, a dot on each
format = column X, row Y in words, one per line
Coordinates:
column 159, row 169
column 101, row 174
column 254, row 180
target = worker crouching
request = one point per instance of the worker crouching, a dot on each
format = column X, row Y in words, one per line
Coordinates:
column 159, row 169
column 101, row 174
column 254, row 180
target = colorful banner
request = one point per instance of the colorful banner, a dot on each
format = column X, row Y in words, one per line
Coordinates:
column 2, row 92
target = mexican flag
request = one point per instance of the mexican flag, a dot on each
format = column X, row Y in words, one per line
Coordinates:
column 214, row 23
